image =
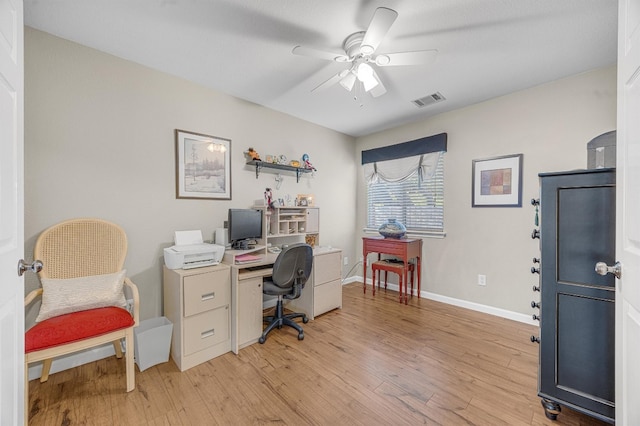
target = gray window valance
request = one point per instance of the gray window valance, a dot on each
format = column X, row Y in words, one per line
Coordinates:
column 395, row 163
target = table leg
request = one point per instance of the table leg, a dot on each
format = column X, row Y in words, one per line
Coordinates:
column 373, row 280
column 419, row 266
column 364, row 273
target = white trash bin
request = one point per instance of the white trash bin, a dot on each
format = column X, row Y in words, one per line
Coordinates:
column 152, row 342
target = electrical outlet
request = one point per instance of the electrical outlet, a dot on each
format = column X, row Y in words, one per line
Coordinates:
column 346, row 261
column 482, row 279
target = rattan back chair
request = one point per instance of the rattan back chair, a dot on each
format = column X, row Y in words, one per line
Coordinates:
column 74, row 249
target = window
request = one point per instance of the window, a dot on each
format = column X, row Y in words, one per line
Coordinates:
column 418, row 205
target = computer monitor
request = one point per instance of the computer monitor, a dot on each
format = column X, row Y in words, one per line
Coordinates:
column 245, row 225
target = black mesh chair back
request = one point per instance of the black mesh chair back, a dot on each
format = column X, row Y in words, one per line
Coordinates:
column 293, row 268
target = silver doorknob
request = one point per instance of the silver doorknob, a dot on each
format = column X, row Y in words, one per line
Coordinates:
column 35, row 266
column 603, row 269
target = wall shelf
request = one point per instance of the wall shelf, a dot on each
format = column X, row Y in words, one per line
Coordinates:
column 259, row 165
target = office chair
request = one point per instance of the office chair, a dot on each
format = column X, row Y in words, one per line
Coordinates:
column 290, row 273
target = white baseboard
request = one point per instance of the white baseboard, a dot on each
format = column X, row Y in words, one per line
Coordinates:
column 351, row 280
column 491, row 310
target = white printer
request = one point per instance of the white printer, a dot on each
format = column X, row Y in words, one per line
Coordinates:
column 190, row 251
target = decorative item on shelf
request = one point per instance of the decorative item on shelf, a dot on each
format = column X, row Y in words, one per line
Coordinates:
column 305, row 200
column 392, row 229
column 269, row 159
column 282, row 159
column 307, row 163
column 294, row 163
column 311, row 239
column 252, row 154
column 268, row 198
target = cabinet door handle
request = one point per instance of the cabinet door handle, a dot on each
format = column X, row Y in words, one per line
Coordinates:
column 535, row 234
column 535, row 304
column 535, row 339
column 208, row 296
column 208, row 333
column 603, row 269
column 536, row 288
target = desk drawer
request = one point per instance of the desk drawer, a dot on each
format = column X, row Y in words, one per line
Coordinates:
column 387, row 246
column 327, row 296
column 326, row 267
column 205, row 330
column 203, row 292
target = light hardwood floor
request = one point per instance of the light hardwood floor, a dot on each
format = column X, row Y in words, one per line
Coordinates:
column 374, row 362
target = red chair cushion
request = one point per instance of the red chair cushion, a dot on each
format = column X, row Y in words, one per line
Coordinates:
column 76, row 326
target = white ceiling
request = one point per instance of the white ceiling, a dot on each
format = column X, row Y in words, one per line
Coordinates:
column 486, row 48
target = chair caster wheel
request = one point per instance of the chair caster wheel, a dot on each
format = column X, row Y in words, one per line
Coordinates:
column 305, row 320
column 261, row 340
column 301, row 336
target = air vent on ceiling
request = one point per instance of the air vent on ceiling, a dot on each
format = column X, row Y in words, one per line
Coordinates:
column 429, row 100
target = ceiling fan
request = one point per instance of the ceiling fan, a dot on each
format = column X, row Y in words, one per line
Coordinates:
column 359, row 50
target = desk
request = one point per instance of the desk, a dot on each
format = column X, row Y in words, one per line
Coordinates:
column 404, row 248
column 322, row 292
column 246, row 300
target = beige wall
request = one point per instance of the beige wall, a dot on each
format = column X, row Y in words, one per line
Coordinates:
column 99, row 141
column 551, row 125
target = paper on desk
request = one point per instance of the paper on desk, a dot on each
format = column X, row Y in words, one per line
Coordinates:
column 183, row 238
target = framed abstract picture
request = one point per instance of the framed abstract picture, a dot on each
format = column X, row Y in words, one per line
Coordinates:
column 497, row 182
column 203, row 166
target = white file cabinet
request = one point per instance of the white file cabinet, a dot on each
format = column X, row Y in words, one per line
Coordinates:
column 323, row 291
column 197, row 302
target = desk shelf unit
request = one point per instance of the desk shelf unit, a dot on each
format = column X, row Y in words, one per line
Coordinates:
column 283, row 225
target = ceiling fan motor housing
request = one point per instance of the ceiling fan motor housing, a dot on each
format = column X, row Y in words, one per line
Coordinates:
column 352, row 44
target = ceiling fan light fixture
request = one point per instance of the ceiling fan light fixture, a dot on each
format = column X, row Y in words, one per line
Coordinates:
column 369, row 84
column 348, row 81
column 365, row 75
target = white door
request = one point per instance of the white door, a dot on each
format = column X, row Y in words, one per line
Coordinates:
column 628, row 216
column 11, row 213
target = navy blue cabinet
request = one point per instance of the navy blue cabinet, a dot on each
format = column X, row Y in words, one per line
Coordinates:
column 577, row 306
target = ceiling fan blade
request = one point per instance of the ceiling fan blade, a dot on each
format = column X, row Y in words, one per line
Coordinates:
column 330, row 82
column 420, row 57
column 319, row 54
column 382, row 20
column 379, row 90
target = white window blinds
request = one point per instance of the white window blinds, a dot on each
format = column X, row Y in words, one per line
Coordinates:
column 406, row 183
column 417, row 203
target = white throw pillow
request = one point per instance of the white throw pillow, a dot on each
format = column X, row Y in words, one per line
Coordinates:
column 63, row 296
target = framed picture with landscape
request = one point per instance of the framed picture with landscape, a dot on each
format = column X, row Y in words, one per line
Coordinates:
column 203, row 166
column 497, row 182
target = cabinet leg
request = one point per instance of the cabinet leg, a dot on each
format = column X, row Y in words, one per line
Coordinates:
column 551, row 409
